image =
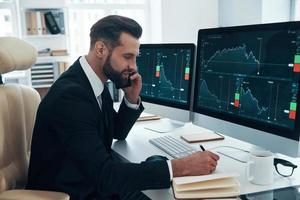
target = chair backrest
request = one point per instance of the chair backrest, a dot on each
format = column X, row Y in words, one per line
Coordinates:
column 18, row 106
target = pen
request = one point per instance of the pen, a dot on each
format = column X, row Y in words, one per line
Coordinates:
column 202, row 148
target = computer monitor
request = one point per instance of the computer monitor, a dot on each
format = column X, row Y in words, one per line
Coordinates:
column 167, row 71
column 247, row 84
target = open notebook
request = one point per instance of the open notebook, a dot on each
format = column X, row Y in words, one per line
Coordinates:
column 216, row 185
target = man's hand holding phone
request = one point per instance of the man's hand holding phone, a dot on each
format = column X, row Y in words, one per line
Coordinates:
column 132, row 92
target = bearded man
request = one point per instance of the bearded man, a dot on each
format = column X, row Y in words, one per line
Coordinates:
column 76, row 123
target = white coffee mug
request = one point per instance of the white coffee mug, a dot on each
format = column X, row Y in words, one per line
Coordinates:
column 260, row 167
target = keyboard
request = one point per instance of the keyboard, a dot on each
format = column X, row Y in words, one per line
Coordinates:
column 172, row 146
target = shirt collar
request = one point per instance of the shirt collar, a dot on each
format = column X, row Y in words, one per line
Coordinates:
column 94, row 80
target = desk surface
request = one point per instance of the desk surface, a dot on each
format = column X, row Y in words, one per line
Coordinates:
column 136, row 148
column 289, row 193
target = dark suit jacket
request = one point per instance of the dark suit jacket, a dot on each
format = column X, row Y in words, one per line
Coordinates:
column 71, row 146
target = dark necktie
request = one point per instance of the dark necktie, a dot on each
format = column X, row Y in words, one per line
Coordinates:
column 106, row 98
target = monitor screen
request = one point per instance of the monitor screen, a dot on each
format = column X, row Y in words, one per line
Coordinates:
column 166, row 71
column 249, row 75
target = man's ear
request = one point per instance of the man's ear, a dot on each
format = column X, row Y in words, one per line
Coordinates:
column 100, row 49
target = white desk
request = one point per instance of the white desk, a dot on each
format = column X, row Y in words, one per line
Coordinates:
column 136, row 148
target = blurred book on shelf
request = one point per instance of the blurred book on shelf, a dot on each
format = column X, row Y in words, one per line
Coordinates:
column 51, row 23
column 44, row 52
column 59, row 52
column 59, row 18
column 49, row 52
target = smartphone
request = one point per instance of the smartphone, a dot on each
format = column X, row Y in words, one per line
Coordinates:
column 129, row 82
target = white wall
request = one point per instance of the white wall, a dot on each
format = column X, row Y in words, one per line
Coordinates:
column 242, row 12
column 237, row 12
column 155, row 20
column 296, row 8
column 181, row 20
column 276, row 11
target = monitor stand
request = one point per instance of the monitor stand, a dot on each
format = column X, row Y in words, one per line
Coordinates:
column 238, row 155
column 164, row 125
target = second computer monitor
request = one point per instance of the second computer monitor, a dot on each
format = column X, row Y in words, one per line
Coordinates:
column 249, row 76
column 166, row 71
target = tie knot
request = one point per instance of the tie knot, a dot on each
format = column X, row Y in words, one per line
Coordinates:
column 105, row 94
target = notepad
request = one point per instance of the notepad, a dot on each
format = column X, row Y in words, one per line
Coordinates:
column 147, row 116
column 201, row 135
column 216, row 185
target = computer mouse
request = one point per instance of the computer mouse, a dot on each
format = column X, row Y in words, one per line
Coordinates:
column 156, row 158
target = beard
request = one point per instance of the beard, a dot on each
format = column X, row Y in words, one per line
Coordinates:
column 120, row 79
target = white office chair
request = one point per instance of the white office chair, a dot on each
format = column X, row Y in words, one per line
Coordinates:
column 18, row 106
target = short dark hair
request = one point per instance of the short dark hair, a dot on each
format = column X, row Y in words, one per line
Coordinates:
column 109, row 29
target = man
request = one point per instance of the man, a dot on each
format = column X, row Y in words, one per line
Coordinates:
column 75, row 124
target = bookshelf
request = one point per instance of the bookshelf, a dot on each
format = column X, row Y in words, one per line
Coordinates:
column 49, row 67
column 44, row 24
